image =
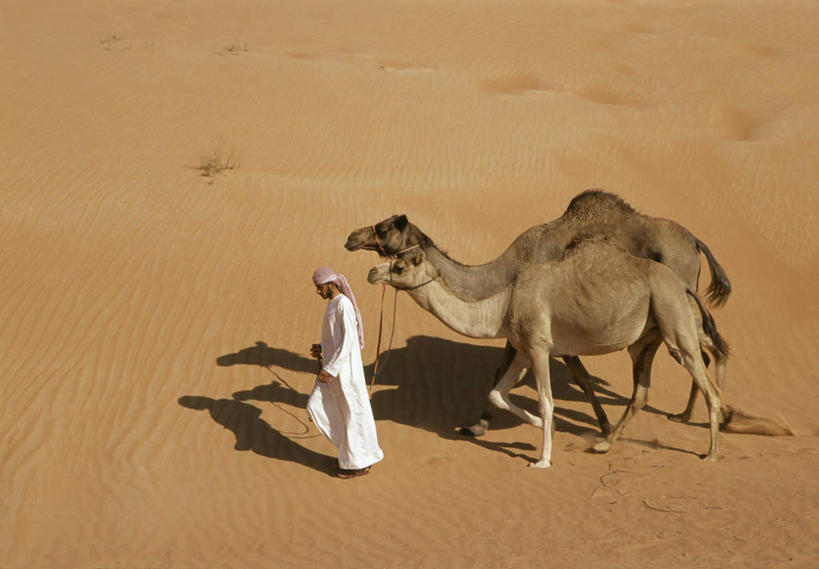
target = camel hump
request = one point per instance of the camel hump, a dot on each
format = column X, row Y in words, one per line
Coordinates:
column 591, row 239
column 598, row 204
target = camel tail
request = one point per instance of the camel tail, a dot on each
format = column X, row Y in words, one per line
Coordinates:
column 709, row 326
column 720, row 288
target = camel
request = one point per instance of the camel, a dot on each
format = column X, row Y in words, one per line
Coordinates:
column 595, row 299
column 593, row 210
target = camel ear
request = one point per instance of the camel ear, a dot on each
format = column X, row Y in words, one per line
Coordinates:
column 401, row 222
column 418, row 258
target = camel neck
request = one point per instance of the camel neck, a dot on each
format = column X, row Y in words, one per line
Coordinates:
column 474, row 282
column 485, row 318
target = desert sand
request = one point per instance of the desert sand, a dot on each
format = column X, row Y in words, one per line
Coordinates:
column 156, row 321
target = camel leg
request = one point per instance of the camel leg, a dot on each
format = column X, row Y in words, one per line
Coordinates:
column 584, row 380
column 499, row 396
column 692, row 361
column 478, row 428
column 705, row 342
column 642, row 355
column 685, row 416
column 579, row 373
column 679, row 332
column 546, row 406
column 719, row 372
column 720, row 361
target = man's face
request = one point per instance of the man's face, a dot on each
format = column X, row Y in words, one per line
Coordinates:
column 323, row 290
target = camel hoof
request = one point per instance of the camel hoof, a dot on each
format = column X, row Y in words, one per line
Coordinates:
column 540, row 464
column 473, row 431
column 679, row 417
column 710, row 457
column 476, row 430
column 602, row 447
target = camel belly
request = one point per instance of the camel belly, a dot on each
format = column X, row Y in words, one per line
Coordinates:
column 587, row 346
column 598, row 332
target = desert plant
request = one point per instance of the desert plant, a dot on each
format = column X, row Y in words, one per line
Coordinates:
column 235, row 48
column 216, row 161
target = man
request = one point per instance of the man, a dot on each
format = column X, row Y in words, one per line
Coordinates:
column 339, row 405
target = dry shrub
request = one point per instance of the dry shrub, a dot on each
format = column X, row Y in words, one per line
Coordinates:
column 235, row 48
column 217, row 161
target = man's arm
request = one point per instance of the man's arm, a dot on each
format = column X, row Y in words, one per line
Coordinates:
column 323, row 376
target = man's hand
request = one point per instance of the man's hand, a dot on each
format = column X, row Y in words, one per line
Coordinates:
column 325, row 377
column 315, row 351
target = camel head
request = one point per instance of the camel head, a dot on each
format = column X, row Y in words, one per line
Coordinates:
column 393, row 235
column 408, row 272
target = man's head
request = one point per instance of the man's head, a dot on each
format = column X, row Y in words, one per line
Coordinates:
column 325, row 280
column 330, row 284
column 327, row 290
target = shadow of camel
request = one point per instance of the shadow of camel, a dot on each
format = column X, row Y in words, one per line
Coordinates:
column 438, row 385
column 263, row 355
column 441, row 384
column 253, row 433
column 274, row 392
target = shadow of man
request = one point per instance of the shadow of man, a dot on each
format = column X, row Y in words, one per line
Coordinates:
column 253, row 433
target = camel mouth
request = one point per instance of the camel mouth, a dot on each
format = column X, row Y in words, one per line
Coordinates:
column 356, row 240
column 376, row 276
column 350, row 245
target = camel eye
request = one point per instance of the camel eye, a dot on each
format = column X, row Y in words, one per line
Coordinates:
column 397, row 270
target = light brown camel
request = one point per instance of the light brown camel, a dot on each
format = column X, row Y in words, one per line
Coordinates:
column 595, row 299
column 591, row 211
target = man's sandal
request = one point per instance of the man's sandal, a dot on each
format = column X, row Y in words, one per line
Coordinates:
column 353, row 473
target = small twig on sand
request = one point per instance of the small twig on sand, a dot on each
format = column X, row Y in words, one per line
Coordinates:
column 665, row 510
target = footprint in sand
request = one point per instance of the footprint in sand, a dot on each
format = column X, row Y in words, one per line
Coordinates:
column 737, row 124
column 298, row 55
column 436, row 461
column 524, row 83
column 767, row 51
column 606, row 96
column 516, row 84
column 406, row 69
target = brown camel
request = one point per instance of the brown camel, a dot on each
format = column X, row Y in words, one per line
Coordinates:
column 595, row 299
column 591, row 211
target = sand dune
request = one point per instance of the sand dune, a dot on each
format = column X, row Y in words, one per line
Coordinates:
column 156, row 322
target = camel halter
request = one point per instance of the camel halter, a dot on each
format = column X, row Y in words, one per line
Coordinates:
column 383, row 252
column 398, row 287
column 392, row 257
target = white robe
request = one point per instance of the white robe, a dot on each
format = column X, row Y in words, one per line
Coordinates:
column 341, row 409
